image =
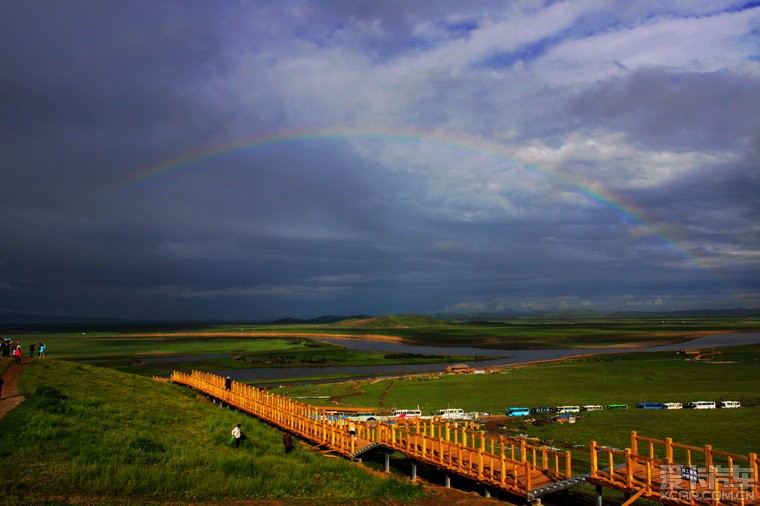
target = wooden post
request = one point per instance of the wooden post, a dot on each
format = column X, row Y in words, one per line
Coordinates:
column 756, row 477
column 634, row 443
column 528, row 477
column 669, row 450
column 628, row 469
column 503, row 475
column 568, row 465
column 594, row 461
column 708, row 456
column 387, row 462
column 715, row 492
column 523, row 450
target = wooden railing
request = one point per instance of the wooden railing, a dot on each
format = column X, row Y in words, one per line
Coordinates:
column 510, row 464
column 677, row 473
column 657, row 469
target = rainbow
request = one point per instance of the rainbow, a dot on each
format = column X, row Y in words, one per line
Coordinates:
column 460, row 142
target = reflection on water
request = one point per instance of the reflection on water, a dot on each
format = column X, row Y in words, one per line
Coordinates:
column 509, row 357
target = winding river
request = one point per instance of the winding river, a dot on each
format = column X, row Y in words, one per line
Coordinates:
column 506, row 357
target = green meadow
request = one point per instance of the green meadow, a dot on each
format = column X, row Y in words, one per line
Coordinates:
column 89, row 435
column 627, row 378
column 110, row 435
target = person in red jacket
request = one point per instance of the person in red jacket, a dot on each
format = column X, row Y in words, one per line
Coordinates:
column 17, row 355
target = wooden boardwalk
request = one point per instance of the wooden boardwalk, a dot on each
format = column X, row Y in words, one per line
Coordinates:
column 676, row 473
column 656, row 469
column 507, row 464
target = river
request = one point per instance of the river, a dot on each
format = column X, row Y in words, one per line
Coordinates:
column 507, row 357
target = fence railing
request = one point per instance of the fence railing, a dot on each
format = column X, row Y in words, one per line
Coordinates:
column 677, row 472
column 511, row 464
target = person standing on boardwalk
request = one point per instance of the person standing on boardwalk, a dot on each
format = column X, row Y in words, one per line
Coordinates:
column 42, row 349
column 227, row 383
column 31, row 350
column 17, row 355
column 352, row 429
column 237, row 435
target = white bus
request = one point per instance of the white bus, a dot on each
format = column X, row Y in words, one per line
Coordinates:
column 453, row 414
column 568, row 409
column 673, row 405
column 701, row 405
column 406, row 413
column 730, row 404
column 593, row 407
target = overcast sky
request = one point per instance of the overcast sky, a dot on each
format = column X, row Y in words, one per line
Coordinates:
column 261, row 159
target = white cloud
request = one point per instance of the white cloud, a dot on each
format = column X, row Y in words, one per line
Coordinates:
column 702, row 44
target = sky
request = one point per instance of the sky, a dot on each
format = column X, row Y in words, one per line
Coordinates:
column 245, row 160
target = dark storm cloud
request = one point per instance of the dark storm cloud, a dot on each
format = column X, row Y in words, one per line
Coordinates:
column 680, row 110
column 449, row 185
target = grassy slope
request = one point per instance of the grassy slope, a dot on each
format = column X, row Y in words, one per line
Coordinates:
column 114, row 438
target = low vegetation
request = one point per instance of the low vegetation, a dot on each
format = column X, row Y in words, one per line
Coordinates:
column 628, row 378
column 96, row 436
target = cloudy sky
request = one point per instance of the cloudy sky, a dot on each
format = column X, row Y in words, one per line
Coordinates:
column 257, row 159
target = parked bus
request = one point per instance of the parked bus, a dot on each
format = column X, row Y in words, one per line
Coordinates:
column 593, row 407
column 568, row 409
column 453, row 414
column 518, row 411
column 406, row 413
column 701, row 405
column 544, row 409
column 673, row 405
column 650, row 405
column 730, row 404
column 617, row 406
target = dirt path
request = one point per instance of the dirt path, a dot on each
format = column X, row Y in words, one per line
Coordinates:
column 10, row 398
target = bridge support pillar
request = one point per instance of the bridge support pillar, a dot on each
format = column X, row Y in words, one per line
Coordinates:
column 414, row 470
column 487, row 493
column 447, row 480
column 599, row 495
column 387, row 462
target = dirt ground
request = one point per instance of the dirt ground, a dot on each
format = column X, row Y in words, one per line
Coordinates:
column 10, row 397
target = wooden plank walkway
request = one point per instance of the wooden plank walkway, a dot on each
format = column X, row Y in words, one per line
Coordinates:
column 699, row 475
column 499, row 462
column 665, row 471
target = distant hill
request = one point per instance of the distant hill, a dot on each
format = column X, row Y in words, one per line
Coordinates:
column 481, row 318
column 319, row 320
column 392, row 321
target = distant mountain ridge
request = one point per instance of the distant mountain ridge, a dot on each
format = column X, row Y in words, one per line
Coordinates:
column 318, row 320
column 12, row 319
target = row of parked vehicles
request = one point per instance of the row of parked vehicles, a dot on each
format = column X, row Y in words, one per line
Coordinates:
column 643, row 405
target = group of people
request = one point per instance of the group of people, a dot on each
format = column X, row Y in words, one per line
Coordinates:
column 10, row 348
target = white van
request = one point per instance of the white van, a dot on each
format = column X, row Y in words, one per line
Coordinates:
column 730, row 404
column 593, row 407
column 673, row 405
column 701, row 405
column 568, row 409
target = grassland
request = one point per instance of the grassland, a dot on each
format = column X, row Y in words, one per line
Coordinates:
column 94, row 435
column 619, row 378
column 577, row 332
column 88, row 435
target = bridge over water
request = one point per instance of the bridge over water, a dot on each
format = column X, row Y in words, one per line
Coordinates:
column 660, row 470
